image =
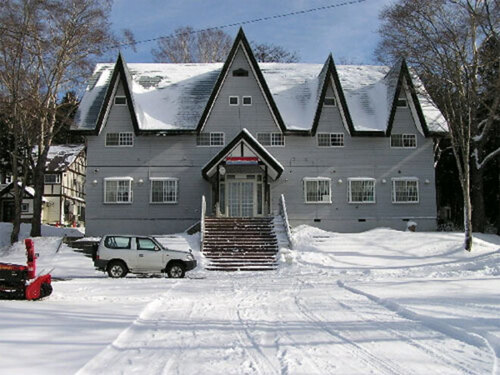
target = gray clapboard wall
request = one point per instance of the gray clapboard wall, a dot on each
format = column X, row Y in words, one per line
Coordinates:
column 178, row 156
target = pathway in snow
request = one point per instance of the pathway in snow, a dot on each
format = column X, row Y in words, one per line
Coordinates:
column 269, row 324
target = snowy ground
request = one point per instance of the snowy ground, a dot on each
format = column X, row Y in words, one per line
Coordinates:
column 379, row 302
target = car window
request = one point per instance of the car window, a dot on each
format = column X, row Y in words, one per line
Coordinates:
column 117, row 242
column 146, row 244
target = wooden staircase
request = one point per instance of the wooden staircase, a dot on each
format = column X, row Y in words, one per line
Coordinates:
column 240, row 244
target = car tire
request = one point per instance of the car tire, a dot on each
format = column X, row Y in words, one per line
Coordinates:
column 117, row 269
column 176, row 270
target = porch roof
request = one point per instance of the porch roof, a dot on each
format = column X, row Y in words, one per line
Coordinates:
column 274, row 167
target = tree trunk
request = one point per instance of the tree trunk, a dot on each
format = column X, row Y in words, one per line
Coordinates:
column 38, row 185
column 467, row 209
column 477, row 198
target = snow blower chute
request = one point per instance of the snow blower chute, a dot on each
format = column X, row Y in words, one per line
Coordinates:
column 20, row 282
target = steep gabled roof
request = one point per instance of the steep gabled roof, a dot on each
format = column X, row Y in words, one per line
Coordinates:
column 242, row 41
column 261, row 151
column 178, row 98
column 329, row 72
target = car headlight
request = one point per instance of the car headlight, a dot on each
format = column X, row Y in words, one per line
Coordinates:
column 190, row 257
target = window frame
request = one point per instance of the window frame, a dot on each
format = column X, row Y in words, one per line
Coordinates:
column 57, row 180
column 210, row 139
column 399, row 102
column 164, row 179
column 237, row 100
column 243, row 101
column 305, row 180
column 406, row 179
column 330, row 98
column 272, row 140
column 25, row 207
column 120, row 139
column 331, row 136
column 361, row 179
column 403, row 135
column 120, row 97
column 118, row 179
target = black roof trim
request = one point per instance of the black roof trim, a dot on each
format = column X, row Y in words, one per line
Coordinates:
column 404, row 73
column 253, row 62
column 243, row 135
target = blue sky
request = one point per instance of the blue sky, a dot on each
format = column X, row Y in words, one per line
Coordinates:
column 349, row 32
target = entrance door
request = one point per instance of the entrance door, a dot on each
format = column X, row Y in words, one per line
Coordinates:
column 240, row 198
column 8, row 211
column 242, row 195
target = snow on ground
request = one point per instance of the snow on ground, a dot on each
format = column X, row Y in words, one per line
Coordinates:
column 379, row 302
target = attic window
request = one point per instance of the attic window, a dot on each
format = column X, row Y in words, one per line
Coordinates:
column 240, row 73
column 403, row 140
column 330, row 101
column 233, row 100
column 402, row 102
column 120, row 100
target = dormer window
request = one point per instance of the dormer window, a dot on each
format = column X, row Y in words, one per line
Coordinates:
column 402, row 102
column 240, row 73
column 120, row 100
column 330, row 101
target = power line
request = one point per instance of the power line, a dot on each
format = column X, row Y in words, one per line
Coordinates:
column 255, row 20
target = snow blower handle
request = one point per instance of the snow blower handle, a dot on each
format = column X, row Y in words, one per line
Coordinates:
column 30, row 253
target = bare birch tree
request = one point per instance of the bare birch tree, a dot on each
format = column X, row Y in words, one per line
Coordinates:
column 187, row 45
column 61, row 39
column 441, row 39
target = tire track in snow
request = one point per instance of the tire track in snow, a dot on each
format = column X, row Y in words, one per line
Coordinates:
column 264, row 359
column 101, row 361
column 449, row 360
column 364, row 355
column 456, row 333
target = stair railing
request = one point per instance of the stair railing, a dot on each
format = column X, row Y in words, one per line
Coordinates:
column 284, row 216
column 202, row 221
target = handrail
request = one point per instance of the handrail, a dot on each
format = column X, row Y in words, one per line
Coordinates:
column 202, row 221
column 284, row 215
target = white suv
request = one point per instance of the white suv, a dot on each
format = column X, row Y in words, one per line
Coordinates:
column 120, row 254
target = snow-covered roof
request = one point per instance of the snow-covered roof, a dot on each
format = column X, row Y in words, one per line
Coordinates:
column 174, row 96
column 60, row 157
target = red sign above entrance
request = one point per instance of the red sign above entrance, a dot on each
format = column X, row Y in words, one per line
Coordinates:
column 242, row 160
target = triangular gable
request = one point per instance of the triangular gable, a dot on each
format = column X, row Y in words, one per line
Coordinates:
column 28, row 191
column 241, row 40
column 329, row 73
column 120, row 73
column 246, row 139
column 405, row 77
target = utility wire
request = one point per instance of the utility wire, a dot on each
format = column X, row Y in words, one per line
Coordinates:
column 255, row 20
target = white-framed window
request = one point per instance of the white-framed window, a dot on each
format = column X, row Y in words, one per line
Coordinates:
column 246, row 100
column 330, row 139
column 164, row 190
column 271, row 139
column 120, row 100
column 361, row 190
column 122, row 139
column 118, row 190
column 25, row 207
column 402, row 102
column 210, row 139
column 403, row 140
column 234, row 100
column 317, row 190
column 52, row 178
column 329, row 101
column 405, row 190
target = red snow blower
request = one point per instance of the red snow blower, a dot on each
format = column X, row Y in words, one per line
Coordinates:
column 20, row 282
